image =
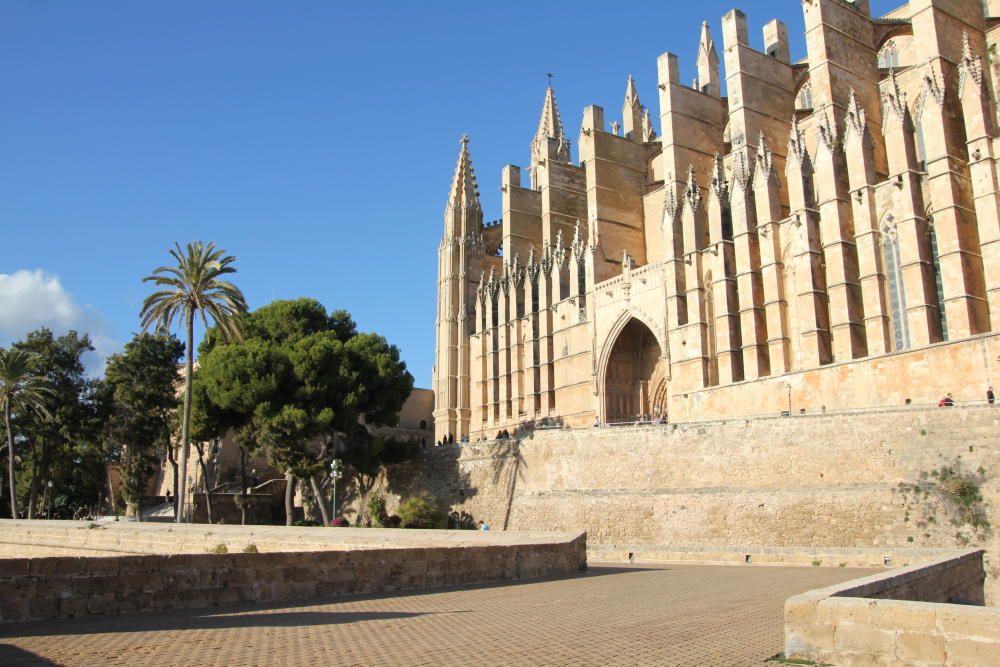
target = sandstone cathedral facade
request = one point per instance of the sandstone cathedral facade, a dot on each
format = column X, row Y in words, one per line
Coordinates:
column 825, row 236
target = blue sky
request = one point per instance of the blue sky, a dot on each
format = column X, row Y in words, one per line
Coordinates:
column 313, row 140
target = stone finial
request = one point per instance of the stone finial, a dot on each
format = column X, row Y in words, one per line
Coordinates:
column 742, row 173
column 670, row 203
column 692, row 192
column 559, row 253
column 932, row 90
column 894, row 98
column 708, row 64
column 826, row 127
column 532, row 268
column 648, row 133
column 464, row 189
column 578, row 246
column 765, row 159
column 797, row 143
column 854, row 119
column 595, row 236
column 718, row 182
column 970, row 67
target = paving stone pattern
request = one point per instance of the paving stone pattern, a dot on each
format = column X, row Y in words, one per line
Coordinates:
column 613, row 615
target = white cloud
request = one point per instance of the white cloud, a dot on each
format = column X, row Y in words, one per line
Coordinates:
column 33, row 299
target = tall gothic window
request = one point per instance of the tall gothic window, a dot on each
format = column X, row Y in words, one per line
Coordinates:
column 938, row 286
column 918, row 131
column 894, row 285
column 581, row 282
column 888, row 57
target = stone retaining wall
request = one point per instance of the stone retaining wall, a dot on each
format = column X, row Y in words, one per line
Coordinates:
column 899, row 617
column 812, row 483
column 61, row 586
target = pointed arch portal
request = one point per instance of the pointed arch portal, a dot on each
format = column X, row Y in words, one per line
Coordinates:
column 635, row 378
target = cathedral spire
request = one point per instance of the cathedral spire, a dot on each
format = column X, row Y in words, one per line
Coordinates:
column 708, row 64
column 550, row 140
column 464, row 189
column 632, row 112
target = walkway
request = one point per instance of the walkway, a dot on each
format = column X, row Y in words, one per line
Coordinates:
column 614, row 615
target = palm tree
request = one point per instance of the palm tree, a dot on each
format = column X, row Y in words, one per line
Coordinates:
column 194, row 288
column 22, row 389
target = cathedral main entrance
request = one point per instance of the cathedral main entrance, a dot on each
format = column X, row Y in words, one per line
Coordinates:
column 635, row 377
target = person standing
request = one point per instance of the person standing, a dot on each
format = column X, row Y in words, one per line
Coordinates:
column 990, row 398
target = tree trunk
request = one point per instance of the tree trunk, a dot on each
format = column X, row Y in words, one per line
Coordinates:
column 33, row 486
column 10, row 461
column 319, row 500
column 111, row 496
column 186, row 421
column 3, row 448
column 243, row 486
column 171, row 456
column 205, row 481
column 289, row 497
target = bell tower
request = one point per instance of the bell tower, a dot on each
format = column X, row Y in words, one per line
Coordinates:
column 459, row 267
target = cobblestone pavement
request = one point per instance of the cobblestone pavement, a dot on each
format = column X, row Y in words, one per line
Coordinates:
column 614, row 615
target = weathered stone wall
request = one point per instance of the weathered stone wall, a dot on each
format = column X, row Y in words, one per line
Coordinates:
column 861, row 480
column 51, row 587
column 898, row 618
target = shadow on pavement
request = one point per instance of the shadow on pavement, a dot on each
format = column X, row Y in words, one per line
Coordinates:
column 18, row 657
column 196, row 620
column 261, row 615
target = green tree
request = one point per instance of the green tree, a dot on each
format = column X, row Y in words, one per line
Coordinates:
column 230, row 384
column 143, row 383
column 60, row 360
column 301, row 381
column 22, row 391
column 194, row 288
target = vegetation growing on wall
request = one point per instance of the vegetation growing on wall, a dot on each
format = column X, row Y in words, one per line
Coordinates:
column 956, row 491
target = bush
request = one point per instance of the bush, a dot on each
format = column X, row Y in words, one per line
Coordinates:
column 339, row 522
column 251, row 549
column 220, row 548
column 376, row 509
column 417, row 512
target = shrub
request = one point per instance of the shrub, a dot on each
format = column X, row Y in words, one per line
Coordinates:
column 417, row 512
column 339, row 522
column 220, row 548
column 376, row 509
column 251, row 549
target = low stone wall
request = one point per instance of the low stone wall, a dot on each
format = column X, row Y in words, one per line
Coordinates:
column 899, row 617
column 330, row 562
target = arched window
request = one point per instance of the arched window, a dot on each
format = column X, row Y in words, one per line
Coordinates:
column 894, row 284
column 888, row 56
column 804, row 101
column 918, row 132
column 939, row 287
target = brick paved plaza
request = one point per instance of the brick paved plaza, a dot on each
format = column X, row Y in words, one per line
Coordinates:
column 613, row 615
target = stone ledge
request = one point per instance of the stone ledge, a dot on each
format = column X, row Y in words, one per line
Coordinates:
column 898, row 616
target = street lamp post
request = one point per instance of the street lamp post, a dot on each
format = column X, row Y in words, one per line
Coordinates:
column 336, row 472
column 789, row 385
column 48, row 511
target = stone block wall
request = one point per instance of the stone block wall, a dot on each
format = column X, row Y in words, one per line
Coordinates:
column 808, row 484
column 64, row 586
column 901, row 617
